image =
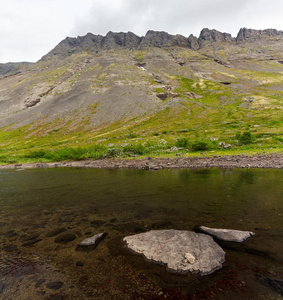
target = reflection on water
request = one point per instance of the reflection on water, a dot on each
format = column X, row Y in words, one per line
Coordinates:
column 35, row 203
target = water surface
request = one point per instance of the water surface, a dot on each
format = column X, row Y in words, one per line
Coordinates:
column 122, row 202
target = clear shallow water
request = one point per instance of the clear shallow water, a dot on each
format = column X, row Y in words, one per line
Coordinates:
column 87, row 201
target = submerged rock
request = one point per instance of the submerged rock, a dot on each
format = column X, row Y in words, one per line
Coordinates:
column 274, row 283
column 91, row 242
column 228, row 235
column 179, row 250
column 39, row 282
column 54, row 285
column 2, row 286
column 55, row 231
column 65, row 238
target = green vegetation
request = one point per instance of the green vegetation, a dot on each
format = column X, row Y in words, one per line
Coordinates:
column 139, row 56
column 183, row 142
column 201, row 112
column 70, row 153
column 245, row 138
column 200, row 146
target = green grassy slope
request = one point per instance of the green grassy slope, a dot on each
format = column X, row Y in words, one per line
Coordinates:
column 125, row 103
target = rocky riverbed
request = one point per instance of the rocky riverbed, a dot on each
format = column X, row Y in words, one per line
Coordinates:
column 238, row 161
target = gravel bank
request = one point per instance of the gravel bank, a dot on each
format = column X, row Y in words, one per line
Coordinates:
column 239, row 161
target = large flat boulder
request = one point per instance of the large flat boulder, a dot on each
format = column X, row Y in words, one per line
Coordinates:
column 179, row 250
column 229, row 235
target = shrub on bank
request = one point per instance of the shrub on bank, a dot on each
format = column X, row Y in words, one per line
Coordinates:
column 183, row 142
column 245, row 138
column 113, row 152
column 200, row 146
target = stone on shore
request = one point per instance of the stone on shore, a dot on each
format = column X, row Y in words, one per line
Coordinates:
column 91, row 242
column 179, row 250
column 228, row 235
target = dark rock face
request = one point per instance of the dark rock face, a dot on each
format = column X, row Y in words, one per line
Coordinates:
column 114, row 40
column 208, row 36
column 74, row 45
column 193, row 42
column 251, row 35
column 9, row 69
column 163, row 39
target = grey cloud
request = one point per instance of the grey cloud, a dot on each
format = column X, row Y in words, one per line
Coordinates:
column 184, row 17
column 28, row 30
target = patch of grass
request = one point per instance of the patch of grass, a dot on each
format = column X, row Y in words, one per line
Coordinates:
column 132, row 135
column 93, row 107
column 183, row 142
column 65, row 154
column 160, row 91
column 139, row 56
column 138, row 149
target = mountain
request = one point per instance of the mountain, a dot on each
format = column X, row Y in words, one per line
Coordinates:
column 105, row 89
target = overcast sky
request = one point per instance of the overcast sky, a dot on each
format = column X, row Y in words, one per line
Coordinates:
column 31, row 28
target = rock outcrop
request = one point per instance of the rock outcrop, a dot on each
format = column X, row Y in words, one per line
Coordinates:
column 163, row 39
column 193, row 42
column 114, row 40
column 251, row 35
column 208, row 36
column 9, row 69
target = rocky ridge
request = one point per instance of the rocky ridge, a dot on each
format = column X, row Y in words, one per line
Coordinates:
column 161, row 39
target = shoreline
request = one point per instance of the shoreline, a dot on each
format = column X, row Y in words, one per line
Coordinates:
column 268, row 161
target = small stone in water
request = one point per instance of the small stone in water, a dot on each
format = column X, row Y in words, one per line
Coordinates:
column 39, row 282
column 227, row 234
column 91, row 242
column 55, row 232
column 56, row 297
column 2, row 286
column 54, row 285
column 65, row 238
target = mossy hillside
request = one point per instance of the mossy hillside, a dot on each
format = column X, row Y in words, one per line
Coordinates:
column 168, row 125
column 216, row 116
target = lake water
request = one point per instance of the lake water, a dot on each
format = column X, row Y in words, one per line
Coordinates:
column 37, row 202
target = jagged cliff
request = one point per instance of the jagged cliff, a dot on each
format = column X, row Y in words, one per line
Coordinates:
column 93, row 43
